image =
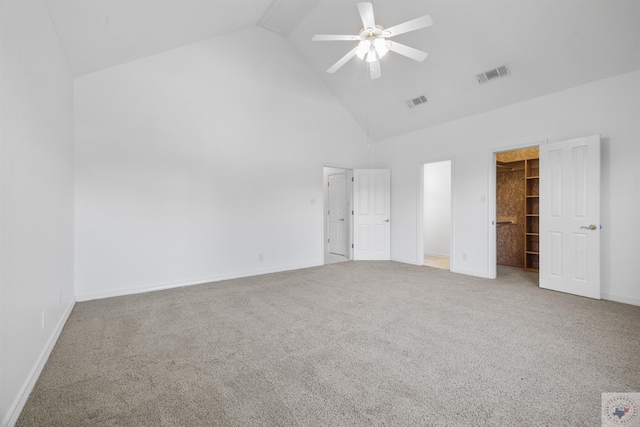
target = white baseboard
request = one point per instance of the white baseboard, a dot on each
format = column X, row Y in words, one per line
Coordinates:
column 474, row 273
column 162, row 286
column 16, row 409
column 406, row 261
column 625, row 299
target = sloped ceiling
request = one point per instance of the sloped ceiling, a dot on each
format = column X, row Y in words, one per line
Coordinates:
column 548, row 45
column 98, row 34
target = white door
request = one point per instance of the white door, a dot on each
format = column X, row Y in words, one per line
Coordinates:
column 570, row 216
column 338, row 213
column 371, row 214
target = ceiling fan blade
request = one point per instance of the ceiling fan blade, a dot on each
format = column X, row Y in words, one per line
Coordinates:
column 414, row 24
column 407, row 51
column 374, row 69
column 331, row 37
column 342, row 61
column 366, row 14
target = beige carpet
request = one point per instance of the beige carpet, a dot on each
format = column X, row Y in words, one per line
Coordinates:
column 347, row 344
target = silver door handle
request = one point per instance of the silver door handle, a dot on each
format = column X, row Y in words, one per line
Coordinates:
column 386, row 220
column 591, row 227
column 341, row 219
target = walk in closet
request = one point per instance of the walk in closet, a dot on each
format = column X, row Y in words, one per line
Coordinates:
column 518, row 208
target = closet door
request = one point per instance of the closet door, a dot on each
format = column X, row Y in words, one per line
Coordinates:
column 570, row 216
column 372, row 214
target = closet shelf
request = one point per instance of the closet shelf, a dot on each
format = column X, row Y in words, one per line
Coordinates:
column 532, row 197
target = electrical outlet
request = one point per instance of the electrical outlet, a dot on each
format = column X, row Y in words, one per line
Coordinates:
column 464, row 257
column 260, row 257
column 483, row 199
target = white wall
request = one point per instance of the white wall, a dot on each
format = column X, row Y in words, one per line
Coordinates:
column 36, row 180
column 191, row 163
column 437, row 208
column 609, row 107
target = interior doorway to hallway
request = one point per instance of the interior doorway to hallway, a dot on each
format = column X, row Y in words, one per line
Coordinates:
column 435, row 238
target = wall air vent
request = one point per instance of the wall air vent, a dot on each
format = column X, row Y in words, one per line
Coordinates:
column 417, row 101
column 493, row 74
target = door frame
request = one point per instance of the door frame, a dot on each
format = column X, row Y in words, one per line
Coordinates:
column 420, row 211
column 325, row 204
column 492, row 247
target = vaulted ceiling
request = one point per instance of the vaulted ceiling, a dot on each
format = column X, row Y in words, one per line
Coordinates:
column 548, row 46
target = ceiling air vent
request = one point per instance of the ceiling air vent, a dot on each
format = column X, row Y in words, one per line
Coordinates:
column 417, row 101
column 493, row 74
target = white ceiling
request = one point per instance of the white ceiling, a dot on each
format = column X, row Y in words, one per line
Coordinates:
column 548, row 46
column 98, row 34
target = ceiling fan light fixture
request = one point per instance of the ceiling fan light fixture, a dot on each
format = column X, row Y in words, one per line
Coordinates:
column 363, row 48
column 381, row 46
column 371, row 50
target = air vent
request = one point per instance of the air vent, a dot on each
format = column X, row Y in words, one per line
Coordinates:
column 417, row 101
column 493, row 74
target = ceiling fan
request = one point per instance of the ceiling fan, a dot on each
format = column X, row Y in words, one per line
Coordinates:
column 373, row 43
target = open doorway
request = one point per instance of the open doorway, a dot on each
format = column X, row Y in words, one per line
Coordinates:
column 337, row 214
column 517, row 208
column 436, row 215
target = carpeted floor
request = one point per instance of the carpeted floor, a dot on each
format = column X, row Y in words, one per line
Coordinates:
column 347, row 344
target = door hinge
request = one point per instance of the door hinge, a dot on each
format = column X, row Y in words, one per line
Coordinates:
column 328, row 184
column 351, row 212
column 352, row 246
column 328, row 240
column 353, row 179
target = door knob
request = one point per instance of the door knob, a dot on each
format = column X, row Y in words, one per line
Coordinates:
column 591, row 227
column 341, row 219
column 386, row 220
